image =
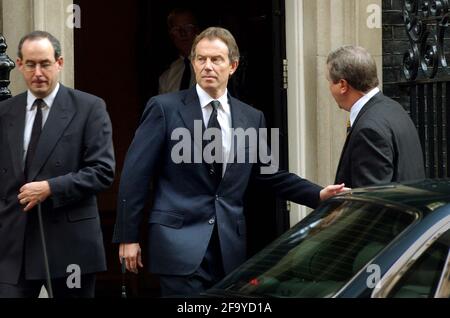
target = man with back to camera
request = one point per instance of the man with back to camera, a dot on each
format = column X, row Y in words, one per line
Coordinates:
column 197, row 228
column 382, row 145
column 56, row 149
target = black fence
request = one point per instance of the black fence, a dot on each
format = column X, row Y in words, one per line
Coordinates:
column 426, row 79
column 430, row 111
column 6, row 65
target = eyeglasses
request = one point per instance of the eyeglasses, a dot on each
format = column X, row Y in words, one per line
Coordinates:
column 31, row 67
column 187, row 28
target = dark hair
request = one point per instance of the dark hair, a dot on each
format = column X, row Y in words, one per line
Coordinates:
column 221, row 34
column 355, row 65
column 180, row 11
column 35, row 35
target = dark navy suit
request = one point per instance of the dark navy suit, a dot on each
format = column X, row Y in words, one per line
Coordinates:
column 188, row 203
column 382, row 146
column 75, row 155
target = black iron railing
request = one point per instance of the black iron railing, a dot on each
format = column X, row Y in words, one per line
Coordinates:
column 6, row 65
column 427, row 73
column 429, row 109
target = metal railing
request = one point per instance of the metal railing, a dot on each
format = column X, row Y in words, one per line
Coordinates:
column 427, row 75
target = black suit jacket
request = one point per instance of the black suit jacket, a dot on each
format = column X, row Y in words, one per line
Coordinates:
column 187, row 202
column 382, row 146
column 75, row 155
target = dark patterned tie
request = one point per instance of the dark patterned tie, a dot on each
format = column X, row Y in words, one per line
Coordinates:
column 186, row 78
column 216, row 167
column 35, row 133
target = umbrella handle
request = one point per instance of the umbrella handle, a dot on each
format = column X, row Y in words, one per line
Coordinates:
column 124, row 271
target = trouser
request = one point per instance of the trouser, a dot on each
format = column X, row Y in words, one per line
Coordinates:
column 31, row 288
column 208, row 274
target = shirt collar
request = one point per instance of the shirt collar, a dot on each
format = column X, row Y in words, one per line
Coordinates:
column 48, row 100
column 205, row 99
column 356, row 108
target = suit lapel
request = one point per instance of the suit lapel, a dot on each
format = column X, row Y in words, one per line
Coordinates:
column 238, row 120
column 61, row 114
column 15, row 131
column 191, row 112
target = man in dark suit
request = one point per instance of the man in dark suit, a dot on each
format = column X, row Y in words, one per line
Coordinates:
column 56, row 149
column 197, row 228
column 382, row 143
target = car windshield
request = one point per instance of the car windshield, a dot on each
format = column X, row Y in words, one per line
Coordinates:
column 322, row 253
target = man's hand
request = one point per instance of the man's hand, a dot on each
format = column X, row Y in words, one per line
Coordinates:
column 33, row 193
column 331, row 190
column 130, row 253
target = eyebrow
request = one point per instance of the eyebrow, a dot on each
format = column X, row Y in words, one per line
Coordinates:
column 40, row 61
column 210, row 56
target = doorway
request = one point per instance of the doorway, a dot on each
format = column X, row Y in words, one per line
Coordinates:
column 121, row 61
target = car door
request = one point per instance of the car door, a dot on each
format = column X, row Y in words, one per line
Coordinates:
column 426, row 274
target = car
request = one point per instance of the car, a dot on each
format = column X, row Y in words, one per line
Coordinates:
column 374, row 242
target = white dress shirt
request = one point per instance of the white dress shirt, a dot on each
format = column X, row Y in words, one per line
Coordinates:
column 31, row 114
column 356, row 108
column 170, row 80
column 223, row 116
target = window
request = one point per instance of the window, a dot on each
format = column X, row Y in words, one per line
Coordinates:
column 322, row 253
column 422, row 279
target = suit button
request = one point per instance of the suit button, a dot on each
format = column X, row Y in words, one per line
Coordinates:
column 212, row 221
column 4, row 170
column 217, row 197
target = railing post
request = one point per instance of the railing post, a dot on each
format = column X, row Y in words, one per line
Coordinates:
column 6, row 66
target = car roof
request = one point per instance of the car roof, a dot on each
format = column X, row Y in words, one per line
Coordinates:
column 426, row 195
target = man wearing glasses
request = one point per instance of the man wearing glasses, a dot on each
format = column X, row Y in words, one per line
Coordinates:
column 182, row 28
column 56, row 150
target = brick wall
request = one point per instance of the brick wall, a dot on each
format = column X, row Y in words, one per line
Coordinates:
column 395, row 44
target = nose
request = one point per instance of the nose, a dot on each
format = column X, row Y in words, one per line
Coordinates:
column 208, row 64
column 38, row 70
column 182, row 33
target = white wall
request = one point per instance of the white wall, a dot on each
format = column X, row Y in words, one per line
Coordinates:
column 22, row 16
column 317, row 127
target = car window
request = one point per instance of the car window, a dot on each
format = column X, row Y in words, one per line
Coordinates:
column 318, row 256
column 422, row 279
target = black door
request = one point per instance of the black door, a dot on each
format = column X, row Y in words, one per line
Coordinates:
column 129, row 53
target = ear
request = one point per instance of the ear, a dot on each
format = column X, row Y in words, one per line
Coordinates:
column 234, row 66
column 60, row 63
column 19, row 62
column 343, row 86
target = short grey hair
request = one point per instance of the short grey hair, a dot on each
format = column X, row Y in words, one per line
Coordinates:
column 222, row 34
column 355, row 65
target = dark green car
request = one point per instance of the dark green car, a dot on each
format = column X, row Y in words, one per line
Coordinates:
column 389, row 241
